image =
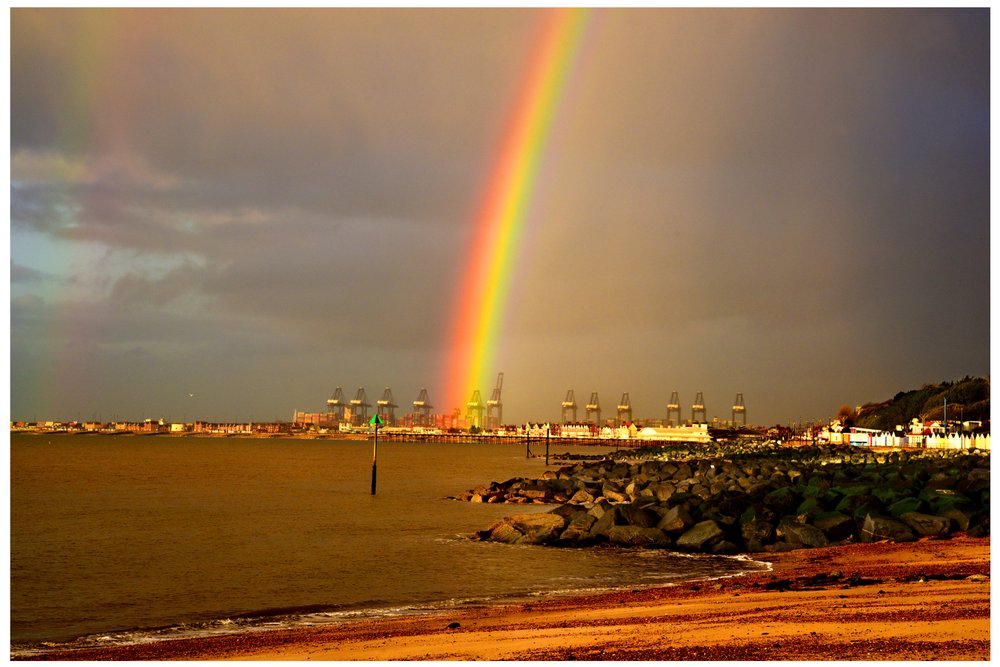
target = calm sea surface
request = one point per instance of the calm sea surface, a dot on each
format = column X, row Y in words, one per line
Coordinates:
column 123, row 539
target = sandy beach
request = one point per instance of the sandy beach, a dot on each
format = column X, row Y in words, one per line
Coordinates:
column 911, row 601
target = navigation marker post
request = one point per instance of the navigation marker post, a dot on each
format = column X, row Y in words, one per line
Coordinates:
column 548, row 432
column 375, row 421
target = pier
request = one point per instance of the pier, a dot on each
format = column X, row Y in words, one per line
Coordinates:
column 493, row 438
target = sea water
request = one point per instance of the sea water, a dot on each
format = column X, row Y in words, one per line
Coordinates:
column 118, row 539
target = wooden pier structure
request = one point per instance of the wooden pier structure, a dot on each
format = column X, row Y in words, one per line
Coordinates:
column 494, row 439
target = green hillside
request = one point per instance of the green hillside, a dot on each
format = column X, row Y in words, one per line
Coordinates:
column 968, row 400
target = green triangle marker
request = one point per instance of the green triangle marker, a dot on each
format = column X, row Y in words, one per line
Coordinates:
column 376, row 420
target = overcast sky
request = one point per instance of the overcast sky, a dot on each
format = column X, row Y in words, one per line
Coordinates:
column 226, row 214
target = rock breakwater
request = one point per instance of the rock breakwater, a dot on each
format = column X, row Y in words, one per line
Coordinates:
column 728, row 500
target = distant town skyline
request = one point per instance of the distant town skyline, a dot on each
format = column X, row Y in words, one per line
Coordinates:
column 225, row 214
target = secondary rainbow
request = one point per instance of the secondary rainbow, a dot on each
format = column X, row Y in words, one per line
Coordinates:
column 95, row 122
column 500, row 223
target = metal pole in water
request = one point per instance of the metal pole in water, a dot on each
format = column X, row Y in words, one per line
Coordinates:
column 548, row 432
column 375, row 421
column 374, row 458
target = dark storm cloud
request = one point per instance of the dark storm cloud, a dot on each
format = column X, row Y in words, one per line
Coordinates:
column 789, row 203
column 791, row 217
column 341, row 110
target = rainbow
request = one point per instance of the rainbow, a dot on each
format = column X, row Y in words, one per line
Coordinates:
column 500, row 223
column 94, row 119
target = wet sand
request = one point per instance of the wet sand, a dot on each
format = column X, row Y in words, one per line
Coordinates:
column 913, row 601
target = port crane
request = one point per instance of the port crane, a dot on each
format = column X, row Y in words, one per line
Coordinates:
column 422, row 407
column 739, row 409
column 359, row 407
column 698, row 408
column 568, row 406
column 336, row 404
column 387, row 407
column 495, row 405
column 674, row 408
column 474, row 409
column 594, row 407
column 625, row 409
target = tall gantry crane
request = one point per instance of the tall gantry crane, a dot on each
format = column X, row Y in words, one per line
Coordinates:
column 422, row 407
column 625, row 409
column 359, row 408
column 569, row 405
column 474, row 409
column 594, row 407
column 674, row 407
column 739, row 409
column 336, row 404
column 495, row 405
column 387, row 407
column 698, row 408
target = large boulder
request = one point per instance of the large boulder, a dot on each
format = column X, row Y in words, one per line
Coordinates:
column 926, row 524
column 680, row 497
column 650, row 469
column 757, row 530
column 484, row 494
column 835, row 525
column 877, row 528
column 504, row 532
column 614, row 492
column 538, row 528
column 856, row 504
column 852, row 490
column 945, row 499
column 904, row 505
column 802, row 534
column 638, row 536
column 634, row 488
column 781, row 500
column 600, row 508
column 941, row 480
column 675, row 520
column 701, row 490
column 661, row 490
column 567, row 511
column 578, row 529
column 667, row 469
column 809, row 506
column 959, row 518
column 714, row 512
column 700, row 537
column 560, row 485
column 885, row 495
column 611, row 518
column 638, row 516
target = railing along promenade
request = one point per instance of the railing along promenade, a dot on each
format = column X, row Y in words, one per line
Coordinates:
column 493, row 438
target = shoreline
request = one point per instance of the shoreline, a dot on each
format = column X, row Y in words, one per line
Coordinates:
column 622, row 446
column 921, row 600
